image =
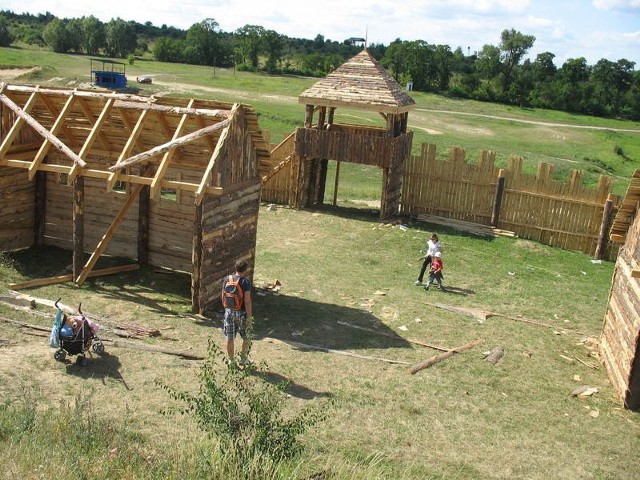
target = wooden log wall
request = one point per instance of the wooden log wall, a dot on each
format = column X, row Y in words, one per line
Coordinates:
column 229, row 228
column 534, row 206
column 620, row 339
column 370, row 149
column 17, row 209
column 171, row 226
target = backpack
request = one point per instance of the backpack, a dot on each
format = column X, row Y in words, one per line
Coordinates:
column 232, row 293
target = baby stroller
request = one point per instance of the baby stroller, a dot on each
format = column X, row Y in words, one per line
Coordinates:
column 74, row 336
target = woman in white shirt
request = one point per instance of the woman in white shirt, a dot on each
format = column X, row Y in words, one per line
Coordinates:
column 433, row 246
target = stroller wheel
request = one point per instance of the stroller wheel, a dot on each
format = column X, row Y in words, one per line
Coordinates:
column 81, row 360
column 59, row 355
column 98, row 348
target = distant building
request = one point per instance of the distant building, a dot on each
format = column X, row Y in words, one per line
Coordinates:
column 108, row 74
column 356, row 41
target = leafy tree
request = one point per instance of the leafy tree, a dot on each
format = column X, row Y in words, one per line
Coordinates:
column 56, row 36
column 203, row 37
column 513, row 46
column 488, row 62
column 93, row 35
column 120, row 37
column 249, row 44
column 75, row 35
column 273, row 46
column 6, row 38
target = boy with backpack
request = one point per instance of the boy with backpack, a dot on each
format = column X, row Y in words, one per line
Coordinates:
column 238, row 311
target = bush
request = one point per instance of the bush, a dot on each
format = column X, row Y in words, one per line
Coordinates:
column 244, row 412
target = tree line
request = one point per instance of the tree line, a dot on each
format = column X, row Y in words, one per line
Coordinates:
column 497, row 73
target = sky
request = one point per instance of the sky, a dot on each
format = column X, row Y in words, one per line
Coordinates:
column 593, row 29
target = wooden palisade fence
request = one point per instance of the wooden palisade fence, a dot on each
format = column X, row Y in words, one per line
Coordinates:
column 533, row 206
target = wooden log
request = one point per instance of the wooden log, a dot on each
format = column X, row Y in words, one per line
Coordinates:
column 39, row 220
column 165, row 147
column 443, row 356
column 38, row 282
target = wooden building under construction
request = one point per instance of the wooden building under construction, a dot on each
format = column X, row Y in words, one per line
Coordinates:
column 167, row 182
column 620, row 339
column 298, row 171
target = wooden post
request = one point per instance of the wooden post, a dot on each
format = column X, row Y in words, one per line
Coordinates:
column 497, row 199
column 604, row 228
column 196, row 260
column 335, row 186
column 40, row 209
column 143, row 225
column 308, row 117
column 78, row 226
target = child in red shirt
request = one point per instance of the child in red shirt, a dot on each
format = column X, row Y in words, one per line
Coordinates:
column 435, row 273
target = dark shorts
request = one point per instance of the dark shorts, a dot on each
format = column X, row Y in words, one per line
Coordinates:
column 235, row 321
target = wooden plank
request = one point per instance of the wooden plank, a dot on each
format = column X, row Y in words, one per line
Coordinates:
column 39, row 282
column 212, row 161
column 166, row 159
column 126, row 150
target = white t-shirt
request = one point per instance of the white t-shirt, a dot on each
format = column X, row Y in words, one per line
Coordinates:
column 433, row 247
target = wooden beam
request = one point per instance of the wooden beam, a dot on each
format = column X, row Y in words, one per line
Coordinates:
column 160, row 149
column 104, row 175
column 17, row 125
column 166, row 159
column 33, row 123
column 207, row 172
column 96, row 130
column 131, row 141
column 78, row 225
column 68, row 133
column 39, row 282
column 46, row 145
column 104, row 241
column 635, row 273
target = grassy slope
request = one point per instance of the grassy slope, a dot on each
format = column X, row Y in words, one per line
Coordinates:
column 462, row 418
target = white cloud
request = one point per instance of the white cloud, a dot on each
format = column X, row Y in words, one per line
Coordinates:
column 617, row 5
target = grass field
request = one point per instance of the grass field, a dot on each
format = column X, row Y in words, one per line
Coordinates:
column 347, row 286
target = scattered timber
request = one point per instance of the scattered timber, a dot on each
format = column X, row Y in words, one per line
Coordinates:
column 443, row 356
column 38, row 282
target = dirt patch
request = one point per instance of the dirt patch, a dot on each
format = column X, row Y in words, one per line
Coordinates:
column 11, row 73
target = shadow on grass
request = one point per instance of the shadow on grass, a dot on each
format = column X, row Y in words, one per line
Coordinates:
column 297, row 321
column 293, row 389
column 101, row 366
column 139, row 286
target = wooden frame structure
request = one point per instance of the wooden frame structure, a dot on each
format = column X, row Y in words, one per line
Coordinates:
column 620, row 339
column 360, row 83
column 169, row 182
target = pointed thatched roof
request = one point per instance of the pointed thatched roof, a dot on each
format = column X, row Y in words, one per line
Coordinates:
column 359, row 83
